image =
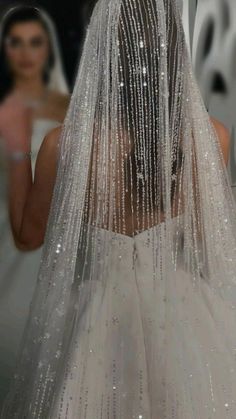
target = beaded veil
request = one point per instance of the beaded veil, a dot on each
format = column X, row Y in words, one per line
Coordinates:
column 138, row 158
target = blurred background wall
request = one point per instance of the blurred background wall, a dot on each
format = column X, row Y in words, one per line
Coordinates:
column 214, row 60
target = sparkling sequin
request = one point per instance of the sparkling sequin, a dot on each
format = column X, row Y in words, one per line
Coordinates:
column 134, row 309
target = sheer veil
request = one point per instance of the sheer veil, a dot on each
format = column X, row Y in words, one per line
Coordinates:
column 137, row 154
column 57, row 79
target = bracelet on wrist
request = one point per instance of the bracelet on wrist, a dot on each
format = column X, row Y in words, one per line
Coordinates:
column 19, row 155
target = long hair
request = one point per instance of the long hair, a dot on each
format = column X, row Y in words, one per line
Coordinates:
column 144, row 170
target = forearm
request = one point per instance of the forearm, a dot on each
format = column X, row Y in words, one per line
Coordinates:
column 33, row 197
column 19, row 187
column 35, row 218
column 26, row 198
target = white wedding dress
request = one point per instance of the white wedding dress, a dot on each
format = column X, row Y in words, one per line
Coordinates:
column 147, row 348
column 138, row 327
column 18, row 273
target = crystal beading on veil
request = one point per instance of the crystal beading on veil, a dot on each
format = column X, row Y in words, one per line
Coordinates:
column 133, row 315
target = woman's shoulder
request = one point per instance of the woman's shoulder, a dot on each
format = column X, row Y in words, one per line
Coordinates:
column 47, row 157
column 52, row 137
column 220, row 127
column 50, row 143
column 224, row 136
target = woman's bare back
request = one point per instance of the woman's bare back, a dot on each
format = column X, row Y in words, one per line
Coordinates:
column 38, row 204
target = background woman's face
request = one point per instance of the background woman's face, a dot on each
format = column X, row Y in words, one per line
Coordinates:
column 27, row 49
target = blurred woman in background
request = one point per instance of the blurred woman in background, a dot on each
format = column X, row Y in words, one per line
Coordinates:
column 33, row 100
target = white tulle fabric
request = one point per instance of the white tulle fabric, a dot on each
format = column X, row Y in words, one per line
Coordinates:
column 57, row 79
column 133, row 314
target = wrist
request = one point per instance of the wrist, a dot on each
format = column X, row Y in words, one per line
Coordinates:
column 19, row 155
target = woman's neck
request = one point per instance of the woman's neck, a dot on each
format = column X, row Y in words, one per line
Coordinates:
column 33, row 88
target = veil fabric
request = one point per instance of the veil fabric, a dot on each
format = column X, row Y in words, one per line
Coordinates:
column 57, row 80
column 140, row 169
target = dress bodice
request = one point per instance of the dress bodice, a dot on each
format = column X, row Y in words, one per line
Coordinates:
column 41, row 127
column 144, row 250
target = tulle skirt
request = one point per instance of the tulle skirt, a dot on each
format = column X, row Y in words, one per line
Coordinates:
column 149, row 348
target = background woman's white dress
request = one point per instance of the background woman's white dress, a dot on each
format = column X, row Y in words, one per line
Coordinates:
column 18, row 273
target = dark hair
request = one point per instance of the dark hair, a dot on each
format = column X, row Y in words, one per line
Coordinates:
column 19, row 14
column 146, row 173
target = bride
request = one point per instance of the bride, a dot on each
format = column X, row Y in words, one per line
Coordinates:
column 133, row 315
column 31, row 76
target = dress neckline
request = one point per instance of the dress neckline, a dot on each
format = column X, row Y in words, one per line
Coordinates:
column 136, row 236
column 49, row 120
